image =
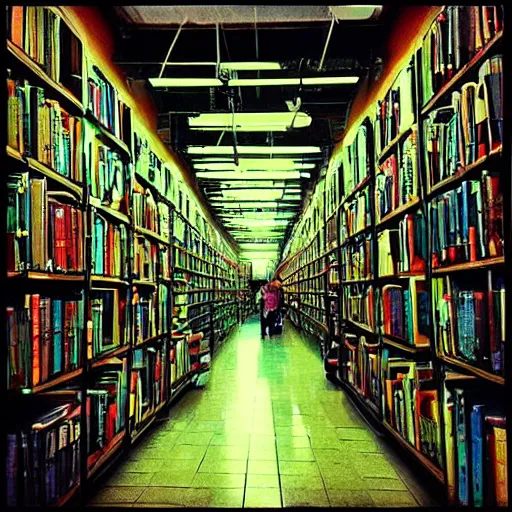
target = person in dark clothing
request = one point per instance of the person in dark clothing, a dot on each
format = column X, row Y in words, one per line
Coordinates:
column 271, row 302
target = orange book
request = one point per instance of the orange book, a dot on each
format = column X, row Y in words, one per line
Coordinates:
column 17, row 25
column 36, row 339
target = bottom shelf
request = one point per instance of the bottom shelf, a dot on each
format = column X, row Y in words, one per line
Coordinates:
column 98, row 459
column 367, row 404
column 68, row 496
column 427, row 463
column 145, row 425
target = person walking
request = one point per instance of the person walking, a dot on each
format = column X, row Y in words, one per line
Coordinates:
column 271, row 303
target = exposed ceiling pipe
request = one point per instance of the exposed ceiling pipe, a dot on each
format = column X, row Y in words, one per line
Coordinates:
column 257, row 48
column 171, row 48
column 326, row 44
column 217, row 41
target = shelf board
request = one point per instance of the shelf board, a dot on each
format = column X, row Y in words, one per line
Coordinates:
column 400, row 275
column 45, row 276
column 360, row 326
column 94, row 201
column 384, row 153
column 151, row 339
column 205, row 290
column 363, row 231
column 14, row 154
column 146, row 423
column 58, row 91
column 140, row 282
column 427, row 463
column 53, row 175
column 321, row 325
column 151, row 234
column 45, row 386
column 497, row 379
column 356, row 189
column 470, row 265
column 95, row 279
column 354, row 281
column 311, row 292
column 457, row 377
column 96, row 460
column 413, row 349
column 464, row 173
column 196, row 304
column 398, row 212
column 68, row 496
column 460, row 74
column 196, row 272
column 103, row 358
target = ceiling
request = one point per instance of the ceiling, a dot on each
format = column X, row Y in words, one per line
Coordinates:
column 253, row 97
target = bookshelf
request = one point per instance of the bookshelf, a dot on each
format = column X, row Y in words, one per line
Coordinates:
column 432, row 319
column 93, row 326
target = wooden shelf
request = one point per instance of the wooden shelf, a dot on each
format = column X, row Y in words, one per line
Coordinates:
column 46, row 276
column 460, row 74
column 196, row 304
column 96, row 460
column 151, row 234
column 305, row 304
column 198, row 317
column 196, row 272
column 464, row 173
column 203, row 290
column 497, row 379
column 56, row 90
column 104, row 358
column 384, row 153
column 470, row 265
column 364, row 231
column 109, row 138
column 354, row 281
column 151, row 339
column 45, row 386
column 401, row 275
column 115, row 214
column 321, row 325
column 140, row 282
column 360, row 326
column 356, row 189
column 398, row 212
column 426, row 463
column 68, row 496
column 311, row 292
column 53, row 175
column 146, row 423
column 14, row 154
column 458, row 377
column 108, row 280
column 413, row 349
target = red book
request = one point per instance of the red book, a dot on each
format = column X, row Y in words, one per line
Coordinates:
column 17, row 25
column 80, row 246
column 36, row 339
column 46, row 330
column 59, row 237
column 73, row 242
column 69, row 236
column 386, row 306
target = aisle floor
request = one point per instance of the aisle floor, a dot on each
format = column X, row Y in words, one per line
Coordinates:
column 267, row 431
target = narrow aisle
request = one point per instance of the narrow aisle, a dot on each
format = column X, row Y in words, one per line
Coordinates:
column 268, row 430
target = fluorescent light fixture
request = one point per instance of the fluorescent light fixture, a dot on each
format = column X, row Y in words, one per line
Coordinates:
column 256, row 215
column 256, row 223
column 263, row 255
column 263, row 195
column 249, row 175
column 257, row 247
column 317, row 80
column 253, row 150
column 243, row 206
column 185, row 82
column 250, row 66
column 292, row 197
column 355, row 12
column 264, row 121
column 257, row 234
column 255, row 164
column 305, row 175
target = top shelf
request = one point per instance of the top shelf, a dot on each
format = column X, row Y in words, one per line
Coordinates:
column 18, row 56
column 449, row 86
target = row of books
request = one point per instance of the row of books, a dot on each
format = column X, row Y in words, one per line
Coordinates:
column 149, row 166
column 411, row 406
column 476, row 446
column 45, row 454
column 183, row 259
column 105, row 105
column 38, row 31
column 108, row 177
column 357, row 303
column 191, row 281
column 395, row 113
column 108, row 321
column 356, row 159
column 360, row 366
column 180, row 359
column 356, row 214
column 38, row 127
column 151, row 260
column 332, row 232
column 470, row 127
column 397, row 180
column 357, row 259
column 333, row 272
column 455, row 37
column 42, row 233
column 106, row 409
column 467, row 222
column 405, row 311
column 470, row 319
column 145, row 210
column 45, row 338
column 110, row 248
column 334, row 315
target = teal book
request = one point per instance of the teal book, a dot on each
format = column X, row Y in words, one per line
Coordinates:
column 477, row 454
column 57, row 336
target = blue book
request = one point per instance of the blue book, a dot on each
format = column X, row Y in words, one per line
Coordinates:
column 477, row 454
column 57, row 336
column 462, row 447
column 409, row 336
column 98, row 250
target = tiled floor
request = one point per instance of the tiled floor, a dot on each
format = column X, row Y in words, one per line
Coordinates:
column 267, row 431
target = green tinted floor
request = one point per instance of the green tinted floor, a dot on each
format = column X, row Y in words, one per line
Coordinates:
column 267, row 431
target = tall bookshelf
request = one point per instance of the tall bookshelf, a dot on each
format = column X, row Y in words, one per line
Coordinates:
column 421, row 274
column 95, row 333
